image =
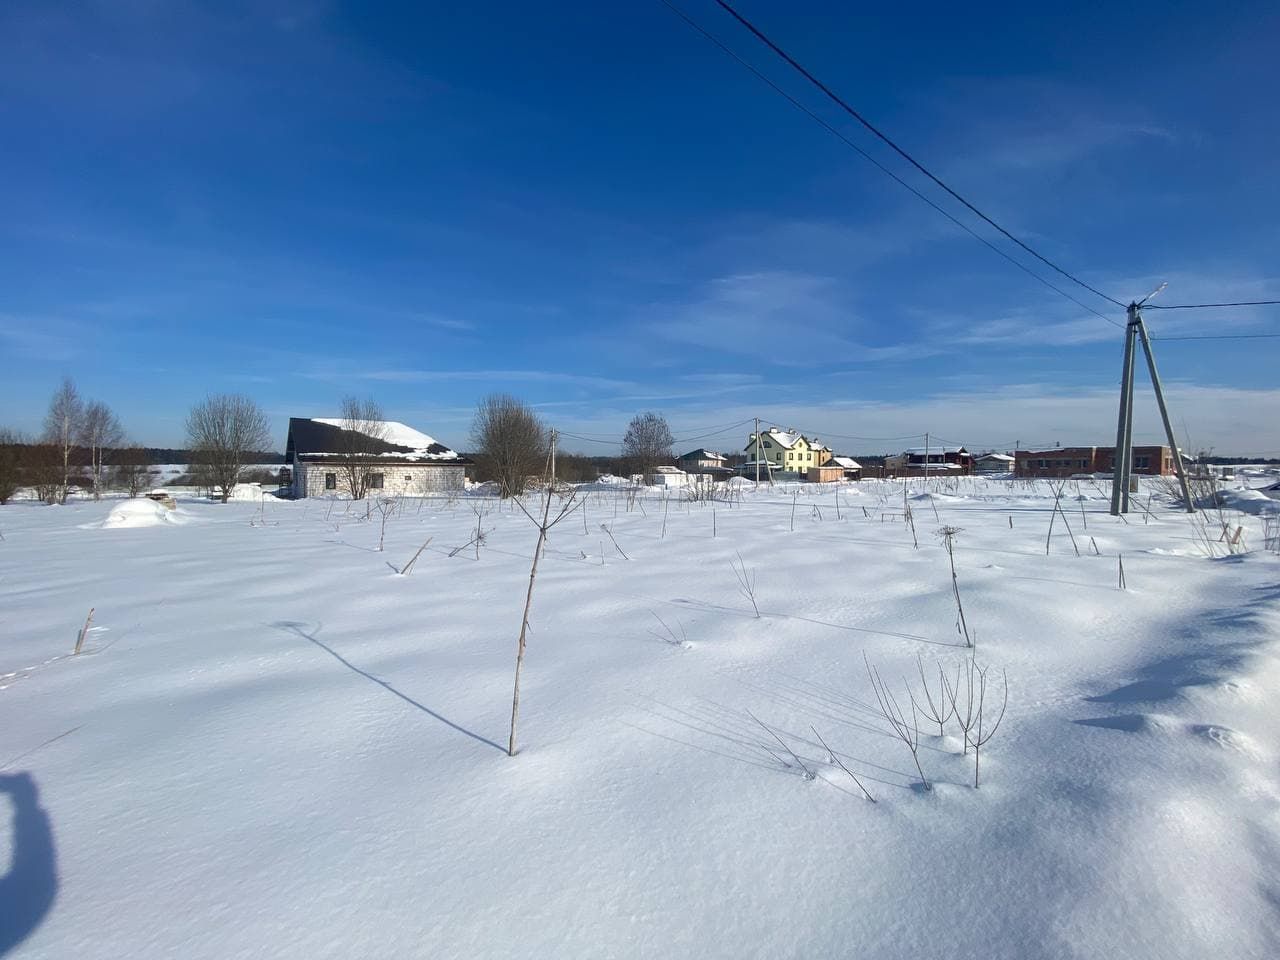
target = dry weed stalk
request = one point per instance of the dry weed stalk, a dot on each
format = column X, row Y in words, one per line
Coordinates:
column 907, row 732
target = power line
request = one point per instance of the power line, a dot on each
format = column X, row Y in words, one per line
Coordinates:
column 1202, row 306
column 759, row 34
column 1226, row 336
column 881, row 167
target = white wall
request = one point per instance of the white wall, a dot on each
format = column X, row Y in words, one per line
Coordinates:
column 401, row 479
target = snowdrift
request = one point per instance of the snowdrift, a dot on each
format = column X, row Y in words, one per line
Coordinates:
column 140, row 513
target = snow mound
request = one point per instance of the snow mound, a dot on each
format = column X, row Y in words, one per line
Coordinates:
column 742, row 482
column 139, row 513
column 246, row 492
column 1253, row 502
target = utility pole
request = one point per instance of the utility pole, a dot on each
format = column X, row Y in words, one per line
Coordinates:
column 1122, row 466
column 1120, row 461
column 926, row 460
column 757, row 454
column 1178, row 465
column 554, row 436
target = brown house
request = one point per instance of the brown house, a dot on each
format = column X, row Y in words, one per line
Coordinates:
column 933, row 461
column 1068, row 461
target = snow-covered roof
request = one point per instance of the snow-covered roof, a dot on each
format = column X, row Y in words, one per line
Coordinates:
column 318, row 438
column 847, row 462
column 667, row 470
column 931, row 450
column 996, row 456
column 781, row 437
column 702, row 453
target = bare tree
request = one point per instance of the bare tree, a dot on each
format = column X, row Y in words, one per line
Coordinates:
column 132, row 471
column 62, row 427
column 647, row 442
column 221, row 431
column 11, row 447
column 364, row 436
column 99, row 430
column 510, row 442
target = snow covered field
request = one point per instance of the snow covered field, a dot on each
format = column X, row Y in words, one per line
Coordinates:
column 275, row 745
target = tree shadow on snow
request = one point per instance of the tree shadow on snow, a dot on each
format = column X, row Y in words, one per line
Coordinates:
column 293, row 626
column 28, row 890
column 1219, row 647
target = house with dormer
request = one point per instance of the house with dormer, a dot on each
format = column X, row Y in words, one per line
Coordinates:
column 786, row 454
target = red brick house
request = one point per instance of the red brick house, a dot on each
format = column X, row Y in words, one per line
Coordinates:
column 1068, row 461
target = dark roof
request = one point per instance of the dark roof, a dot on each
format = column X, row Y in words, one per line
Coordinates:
column 702, row 453
column 315, row 440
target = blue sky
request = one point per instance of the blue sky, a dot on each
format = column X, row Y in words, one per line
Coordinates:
column 590, row 206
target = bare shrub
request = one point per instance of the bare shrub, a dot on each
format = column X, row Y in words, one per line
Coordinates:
column 510, row 442
column 132, row 471
column 221, row 431
column 11, row 447
column 42, row 470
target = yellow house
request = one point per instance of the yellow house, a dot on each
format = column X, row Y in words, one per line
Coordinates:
column 785, row 451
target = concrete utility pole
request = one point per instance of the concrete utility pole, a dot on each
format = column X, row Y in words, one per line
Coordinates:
column 1122, row 466
column 1178, row 465
column 554, row 436
column 757, row 454
column 926, row 459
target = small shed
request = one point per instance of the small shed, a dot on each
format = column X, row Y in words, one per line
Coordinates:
column 830, row 473
column 852, row 468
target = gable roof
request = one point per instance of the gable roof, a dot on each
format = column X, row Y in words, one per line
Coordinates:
column 702, row 453
column 921, row 451
column 321, row 438
column 1004, row 457
column 847, row 462
column 785, row 439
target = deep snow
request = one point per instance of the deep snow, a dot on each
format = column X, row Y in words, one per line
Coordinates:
column 275, row 745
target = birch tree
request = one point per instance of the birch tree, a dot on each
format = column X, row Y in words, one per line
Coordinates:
column 62, row 427
column 99, row 431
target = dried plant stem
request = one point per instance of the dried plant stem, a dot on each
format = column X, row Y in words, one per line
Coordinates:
column 808, row 774
column 84, row 632
column 840, row 763
column 404, row 572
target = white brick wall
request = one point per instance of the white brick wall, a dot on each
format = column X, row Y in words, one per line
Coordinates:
column 399, row 479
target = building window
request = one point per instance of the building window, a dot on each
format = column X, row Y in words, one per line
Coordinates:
column 768, row 445
column 408, row 478
column 375, row 481
column 331, row 481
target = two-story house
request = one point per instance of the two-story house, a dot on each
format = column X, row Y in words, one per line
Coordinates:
column 784, row 452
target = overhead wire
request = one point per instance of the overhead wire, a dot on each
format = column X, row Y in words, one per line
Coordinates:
column 885, row 170
column 840, row 102
column 1204, row 306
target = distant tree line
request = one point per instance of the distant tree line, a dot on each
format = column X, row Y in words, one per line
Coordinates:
column 84, row 446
